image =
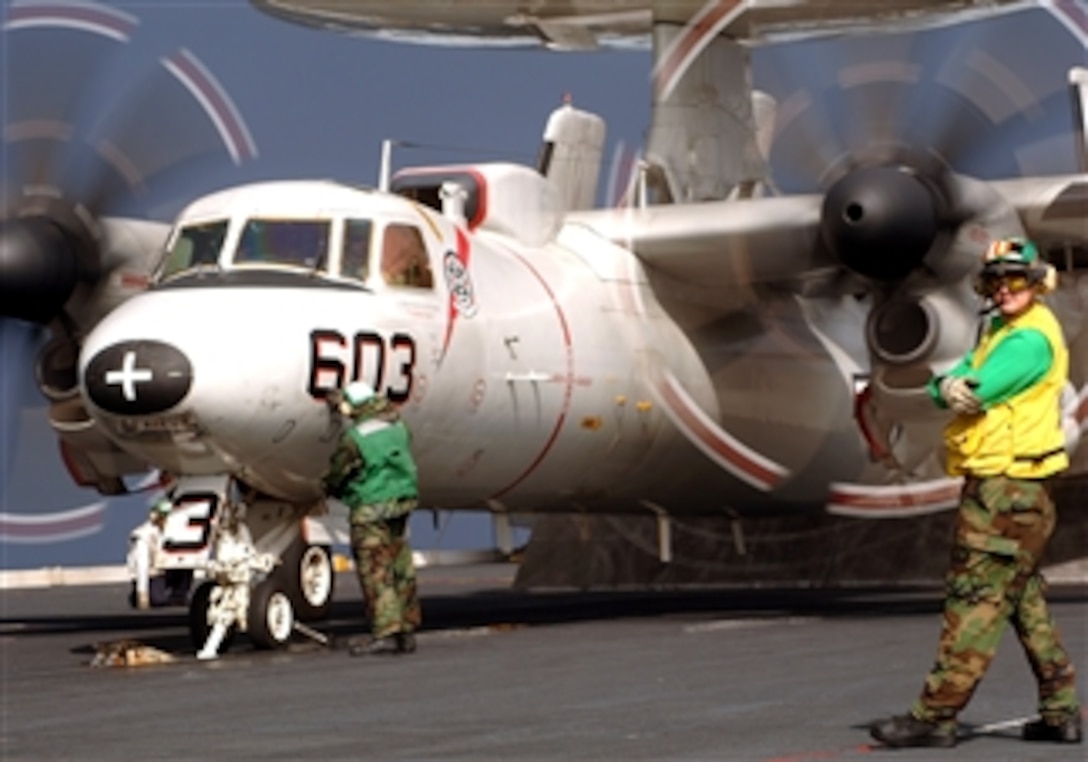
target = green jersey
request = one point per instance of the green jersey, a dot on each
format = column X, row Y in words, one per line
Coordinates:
column 373, row 466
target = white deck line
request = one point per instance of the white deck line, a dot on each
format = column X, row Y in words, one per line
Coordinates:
column 59, row 576
column 1070, row 573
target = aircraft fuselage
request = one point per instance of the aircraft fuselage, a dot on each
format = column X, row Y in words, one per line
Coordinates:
column 534, row 376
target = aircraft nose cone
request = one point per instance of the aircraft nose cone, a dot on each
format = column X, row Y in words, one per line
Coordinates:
column 138, row 377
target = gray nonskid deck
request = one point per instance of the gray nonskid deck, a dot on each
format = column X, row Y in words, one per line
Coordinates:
column 685, row 675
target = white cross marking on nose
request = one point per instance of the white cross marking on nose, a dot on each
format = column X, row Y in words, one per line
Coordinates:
column 128, row 376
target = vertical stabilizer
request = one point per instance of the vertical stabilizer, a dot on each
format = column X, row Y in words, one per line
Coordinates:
column 571, row 155
column 1078, row 82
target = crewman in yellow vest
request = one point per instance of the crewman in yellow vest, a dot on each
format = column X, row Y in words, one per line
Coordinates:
column 1006, row 441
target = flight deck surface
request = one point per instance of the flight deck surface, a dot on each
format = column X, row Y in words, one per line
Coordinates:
column 502, row 674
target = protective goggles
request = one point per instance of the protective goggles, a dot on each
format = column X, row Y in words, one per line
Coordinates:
column 989, row 285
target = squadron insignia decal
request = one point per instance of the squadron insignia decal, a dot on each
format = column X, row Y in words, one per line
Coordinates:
column 459, row 282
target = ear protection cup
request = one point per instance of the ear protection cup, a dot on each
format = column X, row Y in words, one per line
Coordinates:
column 1048, row 282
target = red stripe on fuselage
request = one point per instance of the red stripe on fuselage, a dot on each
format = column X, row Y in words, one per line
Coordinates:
column 568, row 347
column 463, row 252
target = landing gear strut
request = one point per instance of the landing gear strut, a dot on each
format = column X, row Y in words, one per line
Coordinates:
column 261, row 574
column 233, row 571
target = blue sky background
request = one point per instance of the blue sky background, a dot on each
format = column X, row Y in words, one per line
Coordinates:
column 318, row 105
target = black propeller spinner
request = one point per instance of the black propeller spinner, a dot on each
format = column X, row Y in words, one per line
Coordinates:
column 44, row 253
column 881, row 221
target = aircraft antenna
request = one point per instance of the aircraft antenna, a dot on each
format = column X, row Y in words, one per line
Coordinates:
column 383, row 169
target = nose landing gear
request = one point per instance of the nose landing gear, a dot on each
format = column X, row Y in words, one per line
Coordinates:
column 265, row 587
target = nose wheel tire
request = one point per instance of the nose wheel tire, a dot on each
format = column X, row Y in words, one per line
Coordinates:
column 308, row 575
column 199, row 628
column 271, row 618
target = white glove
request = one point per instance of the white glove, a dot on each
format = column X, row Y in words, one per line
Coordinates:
column 958, row 393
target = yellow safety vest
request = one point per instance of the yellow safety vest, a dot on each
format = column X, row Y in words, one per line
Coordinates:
column 1022, row 436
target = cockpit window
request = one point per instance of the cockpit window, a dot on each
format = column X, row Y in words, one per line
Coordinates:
column 195, row 245
column 404, row 257
column 297, row 243
column 355, row 257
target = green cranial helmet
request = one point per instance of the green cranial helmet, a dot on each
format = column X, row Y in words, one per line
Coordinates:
column 358, row 393
column 356, row 397
column 161, row 507
column 1018, row 256
column 1010, row 255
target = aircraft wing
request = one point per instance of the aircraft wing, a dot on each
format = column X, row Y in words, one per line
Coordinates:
column 1054, row 210
column 721, row 243
column 777, row 241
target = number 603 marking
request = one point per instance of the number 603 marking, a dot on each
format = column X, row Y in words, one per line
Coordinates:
column 385, row 364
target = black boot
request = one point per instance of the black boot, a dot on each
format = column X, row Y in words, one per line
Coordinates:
column 906, row 730
column 388, row 645
column 1066, row 731
column 406, row 642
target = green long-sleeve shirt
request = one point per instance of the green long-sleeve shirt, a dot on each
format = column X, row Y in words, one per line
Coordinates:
column 1019, row 361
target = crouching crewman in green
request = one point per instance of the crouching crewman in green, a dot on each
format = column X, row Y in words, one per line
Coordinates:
column 373, row 473
column 1006, row 441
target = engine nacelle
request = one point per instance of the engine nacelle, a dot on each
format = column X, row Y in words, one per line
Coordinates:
column 935, row 328
column 57, row 369
column 92, row 459
column 910, row 338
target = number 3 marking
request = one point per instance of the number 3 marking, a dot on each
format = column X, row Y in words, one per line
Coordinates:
column 189, row 526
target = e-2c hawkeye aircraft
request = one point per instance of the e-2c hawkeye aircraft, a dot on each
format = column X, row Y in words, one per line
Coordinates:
column 708, row 348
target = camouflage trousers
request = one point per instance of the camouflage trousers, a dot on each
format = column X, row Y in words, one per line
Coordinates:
column 387, row 576
column 1001, row 532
